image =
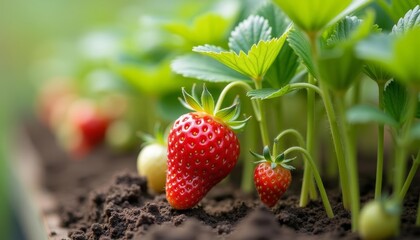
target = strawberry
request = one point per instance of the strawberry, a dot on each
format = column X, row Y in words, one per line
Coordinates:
column 202, row 149
column 272, row 177
column 152, row 160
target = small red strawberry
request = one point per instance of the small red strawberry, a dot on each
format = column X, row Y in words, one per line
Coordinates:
column 202, row 150
column 272, row 177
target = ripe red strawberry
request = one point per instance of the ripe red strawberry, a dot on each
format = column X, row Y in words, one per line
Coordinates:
column 272, row 178
column 202, row 150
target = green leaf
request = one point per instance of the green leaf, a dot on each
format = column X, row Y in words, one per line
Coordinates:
column 283, row 68
column 376, row 72
column 253, row 64
column 377, row 48
column 406, row 64
column 398, row 8
column 208, row 28
column 343, row 30
column 300, row 44
column 366, row 114
column 228, row 112
column 205, row 68
column 190, row 102
column 410, row 20
column 312, row 15
column 249, row 32
column 353, row 7
column 207, row 100
column 418, row 110
column 339, row 68
column 395, row 54
column 267, row 93
column 415, row 131
column 352, row 29
column 149, row 79
column 396, row 100
column 275, row 17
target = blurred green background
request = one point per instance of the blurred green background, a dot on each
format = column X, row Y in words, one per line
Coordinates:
column 32, row 31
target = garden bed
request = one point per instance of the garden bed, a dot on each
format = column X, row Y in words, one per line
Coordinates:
column 101, row 197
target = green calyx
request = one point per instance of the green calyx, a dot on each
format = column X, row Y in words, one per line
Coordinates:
column 206, row 104
column 273, row 160
column 158, row 136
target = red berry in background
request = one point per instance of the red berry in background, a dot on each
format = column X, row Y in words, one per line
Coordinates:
column 202, row 150
column 271, row 183
column 272, row 177
column 89, row 121
column 52, row 97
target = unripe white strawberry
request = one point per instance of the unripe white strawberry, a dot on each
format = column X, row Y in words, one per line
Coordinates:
column 151, row 163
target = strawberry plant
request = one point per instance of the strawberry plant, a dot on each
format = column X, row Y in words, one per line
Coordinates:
column 152, row 160
column 335, row 49
column 272, row 177
column 202, row 149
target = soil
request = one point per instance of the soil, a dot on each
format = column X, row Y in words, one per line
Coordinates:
column 101, row 197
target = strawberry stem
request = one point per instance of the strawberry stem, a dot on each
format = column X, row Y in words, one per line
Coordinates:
column 305, row 185
column 380, row 149
column 351, row 165
column 317, row 177
column 410, row 177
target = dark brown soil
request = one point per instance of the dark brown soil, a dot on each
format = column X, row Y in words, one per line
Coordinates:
column 101, row 197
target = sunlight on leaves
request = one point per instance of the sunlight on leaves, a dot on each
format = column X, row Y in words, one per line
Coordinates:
column 313, row 15
column 410, row 20
column 275, row 17
column 254, row 64
column 249, row 32
column 208, row 28
column 397, row 8
column 205, row 68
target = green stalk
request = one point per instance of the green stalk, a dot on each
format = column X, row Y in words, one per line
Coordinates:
column 409, row 178
column 228, row 87
column 247, row 181
column 380, row 149
column 310, row 138
column 317, row 177
column 334, row 128
column 290, row 131
column 352, row 166
column 257, row 105
column 262, row 118
column 342, row 168
column 278, row 120
column 247, row 172
column 403, row 142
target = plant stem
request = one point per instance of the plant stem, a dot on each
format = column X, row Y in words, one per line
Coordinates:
column 342, row 168
column 352, row 165
column 410, row 177
column 404, row 140
column 291, row 131
column 334, row 127
column 247, row 181
column 262, row 120
column 310, row 138
column 380, row 149
column 308, row 86
column 228, row 87
column 317, row 177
